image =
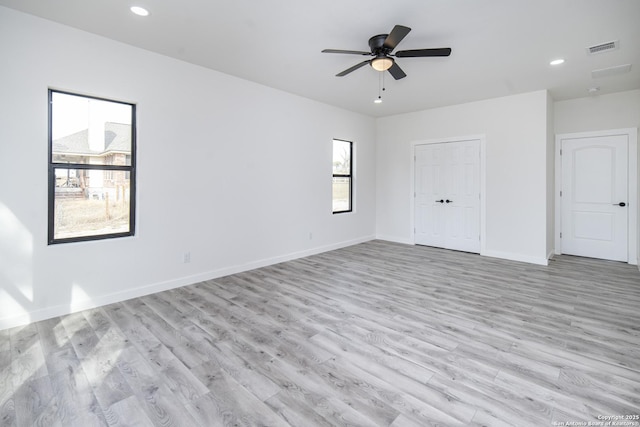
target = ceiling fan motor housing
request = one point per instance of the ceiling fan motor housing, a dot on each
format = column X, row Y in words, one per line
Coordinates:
column 382, row 60
column 376, row 43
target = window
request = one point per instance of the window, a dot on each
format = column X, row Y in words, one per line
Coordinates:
column 342, row 176
column 91, row 168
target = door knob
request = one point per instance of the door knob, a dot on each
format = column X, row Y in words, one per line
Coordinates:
column 440, row 201
column 449, row 201
column 623, row 204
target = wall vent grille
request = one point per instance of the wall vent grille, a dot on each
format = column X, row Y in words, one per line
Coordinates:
column 603, row 47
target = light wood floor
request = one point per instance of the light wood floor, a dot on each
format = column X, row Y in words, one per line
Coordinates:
column 377, row 334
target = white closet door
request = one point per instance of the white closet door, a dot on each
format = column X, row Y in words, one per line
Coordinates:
column 430, row 217
column 447, row 195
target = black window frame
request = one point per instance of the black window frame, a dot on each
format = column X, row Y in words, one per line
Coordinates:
column 131, row 169
column 349, row 176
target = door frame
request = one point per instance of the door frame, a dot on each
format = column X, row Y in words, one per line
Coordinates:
column 632, row 189
column 483, row 181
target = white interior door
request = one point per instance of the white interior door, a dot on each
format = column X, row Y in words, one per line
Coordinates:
column 595, row 197
column 447, row 195
column 430, row 189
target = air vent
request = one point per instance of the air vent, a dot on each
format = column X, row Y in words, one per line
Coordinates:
column 603, row 47
column 611, row 71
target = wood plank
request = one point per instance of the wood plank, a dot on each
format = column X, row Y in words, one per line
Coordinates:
column 295, row 411
column 81, row 334
column 8, row 413
column 27, row 358
column 75, row 402
column 419, row 410
column 229, row 403
column 5, row 343
column 109, row 386
column 127, row 413
column 240, row 370
column 53, row 336
column 35, row 404
column 413, row 384
column 165, row 332
column 156, row 398
column 7, row 404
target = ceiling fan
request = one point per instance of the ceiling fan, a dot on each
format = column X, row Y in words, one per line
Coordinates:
column 381, row 47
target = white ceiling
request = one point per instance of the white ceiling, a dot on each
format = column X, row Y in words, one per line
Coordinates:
column 500, row 47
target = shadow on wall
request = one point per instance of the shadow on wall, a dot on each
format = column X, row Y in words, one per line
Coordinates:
column 19, row 300
column 17, row 297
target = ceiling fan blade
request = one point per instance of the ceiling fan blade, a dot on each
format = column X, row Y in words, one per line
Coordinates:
column 395, row 36
column 353, row 52
column 355, row 67
column 397, row 72
column 443, row 51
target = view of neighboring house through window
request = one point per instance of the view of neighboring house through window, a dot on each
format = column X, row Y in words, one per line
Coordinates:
column 91, row 168
column 342, row 176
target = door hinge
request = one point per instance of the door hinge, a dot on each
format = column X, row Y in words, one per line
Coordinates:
column 561, row 151
column 561, row 234
column 560, row 193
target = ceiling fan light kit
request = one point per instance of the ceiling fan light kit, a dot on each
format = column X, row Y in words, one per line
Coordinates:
column 381, row 63
column 382, row 46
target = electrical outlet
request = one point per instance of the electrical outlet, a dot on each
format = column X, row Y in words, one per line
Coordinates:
column 310, row 236
column 187, row 257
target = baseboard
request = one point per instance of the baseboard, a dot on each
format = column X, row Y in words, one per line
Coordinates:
column 630, row 262
column 99, row 301
column 550, row 255
column 394, row 239
column 516, row 257
column 493, row 254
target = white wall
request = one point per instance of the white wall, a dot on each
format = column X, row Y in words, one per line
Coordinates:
column 614, row 111
column 234, row 172
column 516, row 196
column 551, row 154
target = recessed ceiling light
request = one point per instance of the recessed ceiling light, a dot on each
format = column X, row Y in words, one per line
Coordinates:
column 378, row 100
column 594, row 89
column 557, row 61
column 140, row 11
